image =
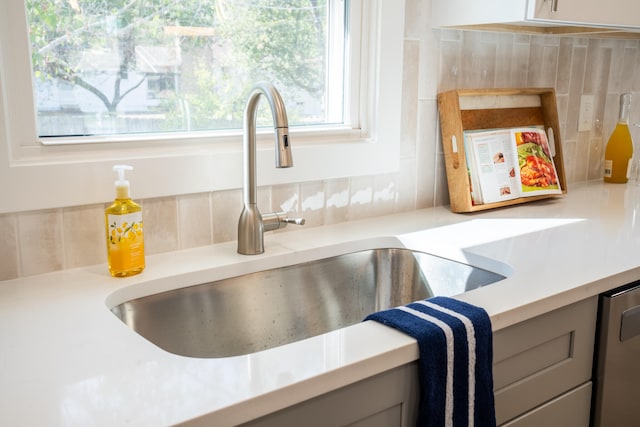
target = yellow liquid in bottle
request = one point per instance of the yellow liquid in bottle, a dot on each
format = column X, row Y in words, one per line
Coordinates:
column 617, row 154
column 125, row 238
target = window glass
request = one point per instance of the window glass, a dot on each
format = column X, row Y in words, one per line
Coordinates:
column 105, row 67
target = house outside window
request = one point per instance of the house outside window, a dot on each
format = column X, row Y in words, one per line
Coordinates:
column 128, row 66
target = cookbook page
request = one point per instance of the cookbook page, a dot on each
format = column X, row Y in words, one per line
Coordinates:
column 495, row 163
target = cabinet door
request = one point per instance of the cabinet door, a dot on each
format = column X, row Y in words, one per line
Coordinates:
column 587, row 12
column 388, row 399
column 537, row 360
column 569, row 410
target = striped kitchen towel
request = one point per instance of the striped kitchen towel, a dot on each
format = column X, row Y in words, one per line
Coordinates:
column 455, row 366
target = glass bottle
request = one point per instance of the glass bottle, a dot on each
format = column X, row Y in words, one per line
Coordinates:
column 619, row 151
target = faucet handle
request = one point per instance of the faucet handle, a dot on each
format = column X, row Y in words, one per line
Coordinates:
column 296, row 221
column 277, row 220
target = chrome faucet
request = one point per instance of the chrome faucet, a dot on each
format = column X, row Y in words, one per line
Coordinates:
column 252, row 225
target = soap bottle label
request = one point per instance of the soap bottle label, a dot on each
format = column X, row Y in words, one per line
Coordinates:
column 126, row 241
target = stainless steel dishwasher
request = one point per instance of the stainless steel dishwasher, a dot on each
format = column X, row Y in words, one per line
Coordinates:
column 616, row 400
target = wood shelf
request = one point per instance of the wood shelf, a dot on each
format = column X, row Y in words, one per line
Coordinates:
column 483, row 109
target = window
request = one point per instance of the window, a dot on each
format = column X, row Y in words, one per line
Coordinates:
column 362, row 138
column 128, row 66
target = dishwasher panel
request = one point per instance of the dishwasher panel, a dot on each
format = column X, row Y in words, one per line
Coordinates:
column 617, row 370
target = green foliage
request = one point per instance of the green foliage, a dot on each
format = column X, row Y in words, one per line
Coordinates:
column 284, row 40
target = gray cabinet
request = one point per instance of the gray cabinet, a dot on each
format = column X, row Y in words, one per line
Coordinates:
column 539, row 361
column 542, row 370
column 385, row 400
column 569, row 410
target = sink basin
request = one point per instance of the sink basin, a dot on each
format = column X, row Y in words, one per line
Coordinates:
column 261, row 310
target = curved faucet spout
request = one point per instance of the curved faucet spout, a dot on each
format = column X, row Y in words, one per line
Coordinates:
column 281, row 129
column 251, row 226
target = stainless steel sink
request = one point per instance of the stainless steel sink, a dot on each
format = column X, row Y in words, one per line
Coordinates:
column 258, row 311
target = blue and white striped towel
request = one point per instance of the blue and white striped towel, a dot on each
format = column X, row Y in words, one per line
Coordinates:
column 455, row 366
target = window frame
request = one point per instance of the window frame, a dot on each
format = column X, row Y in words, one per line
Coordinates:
column 38, row 176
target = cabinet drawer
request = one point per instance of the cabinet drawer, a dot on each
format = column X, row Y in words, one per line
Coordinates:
column 388, row 399
column 542, row 358
column 569, row 410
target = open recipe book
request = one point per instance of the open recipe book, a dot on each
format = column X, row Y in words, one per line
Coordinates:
column 505, row 164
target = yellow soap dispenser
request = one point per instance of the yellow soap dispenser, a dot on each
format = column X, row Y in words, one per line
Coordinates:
column 125, row 236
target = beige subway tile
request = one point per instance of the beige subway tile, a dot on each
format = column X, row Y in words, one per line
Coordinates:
column 226, row 207
column 415, row 13
column 429, row 64
column 450, row 67
column 563, row 74
column 406, row 181
column 575, row 91
column 504, row 60
column 635, row 85
column 41, row 244
column 429, row 144
column 562, row 102
column 160, row 217
column 570, row 155
column 616, row 76
column 596, row 158
column 581, row 165
column 628, row 70
column 520, row 64
column 478, row 61
column 469, row 61
column 360, row 197
column 410, row 81
column 195, row 225
column 611, row 111
column 597, row 72
column 445, row 34
column 550, row 58
column 337, row 200
column 84, row 235
column 522, row 38
column 8, row 247
column 385, row 194
column 312, row 203
column 595, row 67
column 442, row 189
column 583, row 41
column 632, row 43
column 285, row 198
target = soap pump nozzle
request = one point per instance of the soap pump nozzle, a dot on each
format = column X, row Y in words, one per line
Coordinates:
column 122, row 185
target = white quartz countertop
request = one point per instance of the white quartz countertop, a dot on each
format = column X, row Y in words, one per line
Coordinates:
column 66, row 360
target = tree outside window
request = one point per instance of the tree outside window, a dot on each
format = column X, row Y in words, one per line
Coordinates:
column 127, row 66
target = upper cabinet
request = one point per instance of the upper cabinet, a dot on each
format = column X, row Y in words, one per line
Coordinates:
column 549, row 14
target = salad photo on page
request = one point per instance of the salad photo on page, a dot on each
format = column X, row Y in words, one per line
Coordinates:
column 537, row 170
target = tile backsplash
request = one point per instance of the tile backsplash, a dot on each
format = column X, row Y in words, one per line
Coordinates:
column 434, row 60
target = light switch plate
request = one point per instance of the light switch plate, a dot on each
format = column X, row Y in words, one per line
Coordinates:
column 585, row 119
